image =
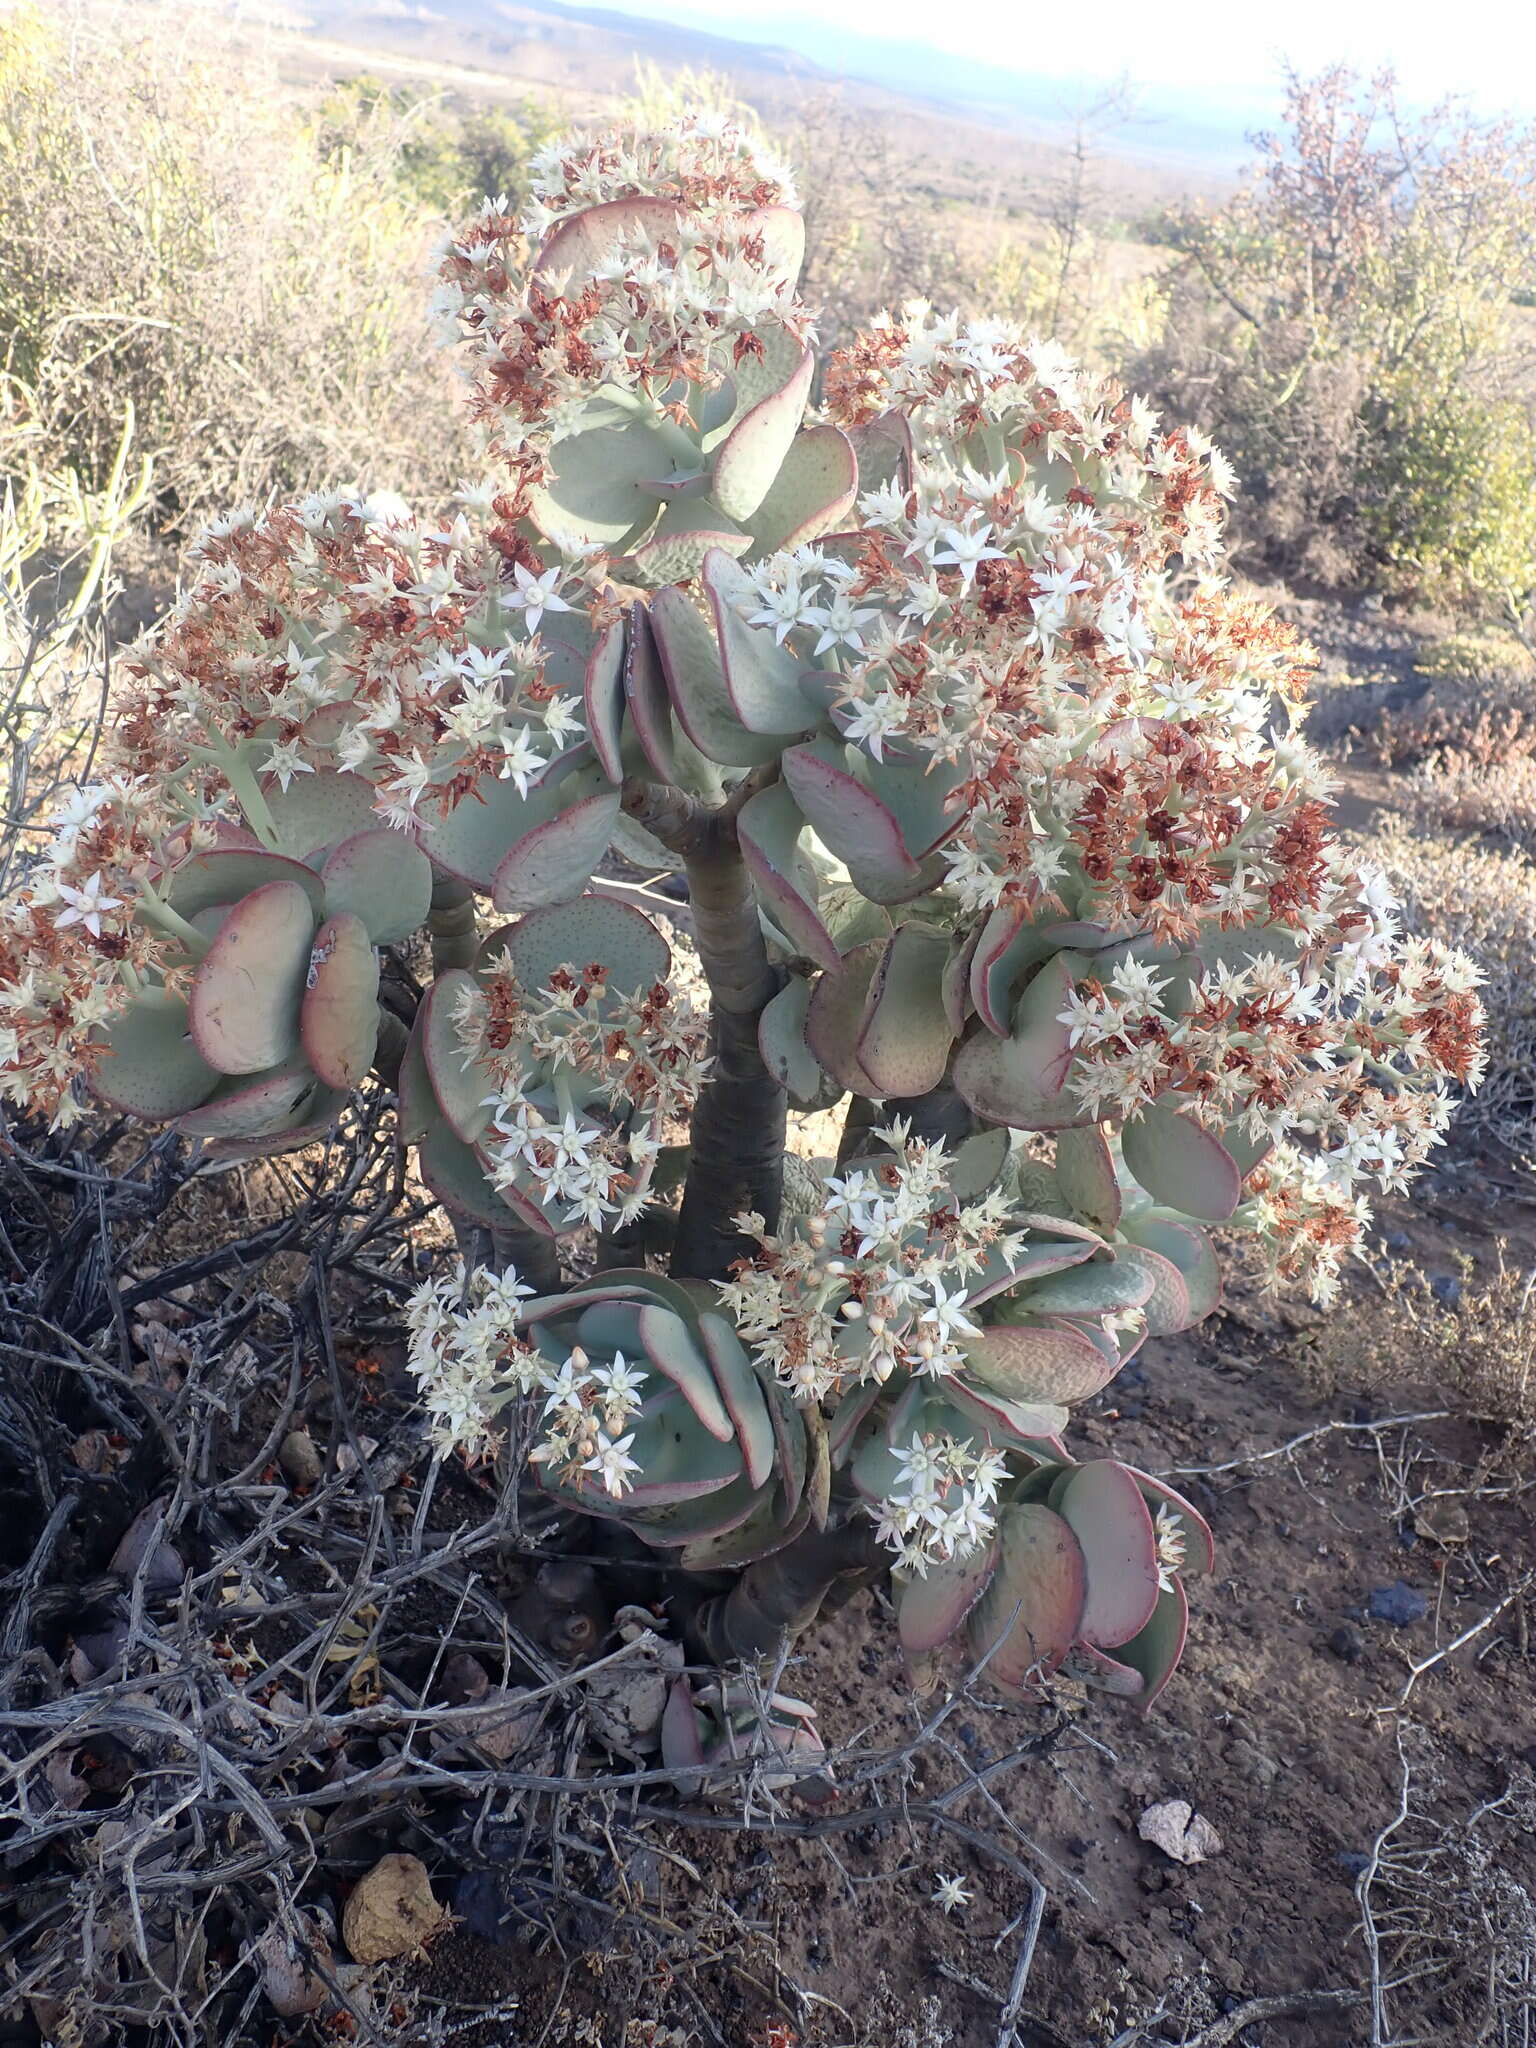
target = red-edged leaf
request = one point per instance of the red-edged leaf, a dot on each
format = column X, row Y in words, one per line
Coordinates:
column 339, row 1016
column 1102, row 1505
column 1180, row 1163
column 1029, row 1615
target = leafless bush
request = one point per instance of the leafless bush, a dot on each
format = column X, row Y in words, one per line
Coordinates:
column 1484, row 901
column 173, row 234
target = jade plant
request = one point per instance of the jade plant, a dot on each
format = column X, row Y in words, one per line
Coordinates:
column 1000, row 839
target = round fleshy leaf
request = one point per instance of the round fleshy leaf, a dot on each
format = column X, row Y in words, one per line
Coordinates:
column 931, row 1609
column 835, row 1017
column 1189, row 1248
column 553, row 861
column 794, row 1455
column 597, row 489
column 883, row 447
column 1102, row 1505
column 1181, row 1163
column 851, row 821
column 255, row 1105
column 459, row 1084
column 339, row 1016
column 319, row 1113
column 151, row 1068
column 1167, row 1306
column 781, row 232
column 456, row 1174
column 1156, row 1651
column 1099, row 1286
column 316, row 812
column 674, row 1349
column 1019, row 1080
column 1085, row 1171
column 813, row 492
column 766, row 1530
column 1002, row 1272
column 743, row 1396
column 690, row 661
column 225, row 876
column 1007, row 1422
column 762, row 679
column 592, row 931
column 1038, row 1362
column 680, row 1460
column 753, row 452
column 977, row 1165
column 244, row 1007
column 576, row 248
column 1009, row 945
column 768, row 830
column 603, row 698
column 1027, row 1619
column 781, row 1041
column 904, row 1041
column 682, row 541
column 384, row 879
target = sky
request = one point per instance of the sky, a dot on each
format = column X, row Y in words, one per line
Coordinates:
column 1484, row 51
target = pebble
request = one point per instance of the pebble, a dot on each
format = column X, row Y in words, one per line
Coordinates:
column 1398, row 1603
column 1347, row 1642
column 1447, row 1288
column 1353, row 1861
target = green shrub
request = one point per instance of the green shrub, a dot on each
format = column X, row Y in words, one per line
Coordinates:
column 1345, row 327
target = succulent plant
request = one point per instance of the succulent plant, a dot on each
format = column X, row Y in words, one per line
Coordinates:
column 727, row 1468
column 989, row 822
column 1084, row 1564
column 267, row 1013
column 732, row 1723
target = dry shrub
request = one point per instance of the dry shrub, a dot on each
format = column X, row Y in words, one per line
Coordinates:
column 1480, row 705
column 1475, row 1353
column 173, row 234
column 1483, row 901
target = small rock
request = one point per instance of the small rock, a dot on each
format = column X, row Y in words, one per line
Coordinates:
column 1354, row 1862
column 300, row 1459
column 1174, row 1827
column 1254, row 1763
column 291, row 1987
column 1398, row 1603
column 1446, row 1288
column 350, row 1460
column 463, row 1678
column 96, row 1454
column 392, row 1911
column 1347, row 1642
column 144, row 1545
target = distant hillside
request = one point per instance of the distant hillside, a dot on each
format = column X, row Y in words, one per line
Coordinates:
column 1011, row 121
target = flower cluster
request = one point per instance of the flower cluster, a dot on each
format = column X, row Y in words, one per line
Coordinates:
column 470, row 1360
column 335, row 633
column 585, row 1076
column 941, row 1506
column 672, row 298
column 71, row 945
column 876, row 1281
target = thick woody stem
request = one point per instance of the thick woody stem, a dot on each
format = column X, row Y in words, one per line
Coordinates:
column 739, row 1120
column 775, row 1599
column 451, row 922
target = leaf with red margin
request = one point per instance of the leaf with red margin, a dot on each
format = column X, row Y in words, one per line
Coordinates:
column 768, row 830
column 753, row 452
column 1155, row 1653
column 762, row 679
column 1085, row 1172
column 255, row 1105
column 577, row 247
column 682, row 541
column 591, row 931
column 384, row 878
column 1102, row 1505
column 1199, row 1543
column 150, row 1068
column 836, row 1016
column 603, row 699
column 904, row 1041
column 1179, row 1162
column 690, row 661
column 243, row 1012
column 813, row 492
column 1167, row 1306
column 675, row 1350
column 1018, row 1080
column 553, row 862
column 1028, row 1616
column 1038, row 1362
column 1010, row 944
column 1188, row 1247
column 851, row 821
column 339, row 1016
column 930, row 1610
column 785, row 1053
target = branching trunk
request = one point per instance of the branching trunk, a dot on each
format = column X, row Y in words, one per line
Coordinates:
column 783, row 1594
column 940, row 1114
column 451, row 923
column 739, row 1120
